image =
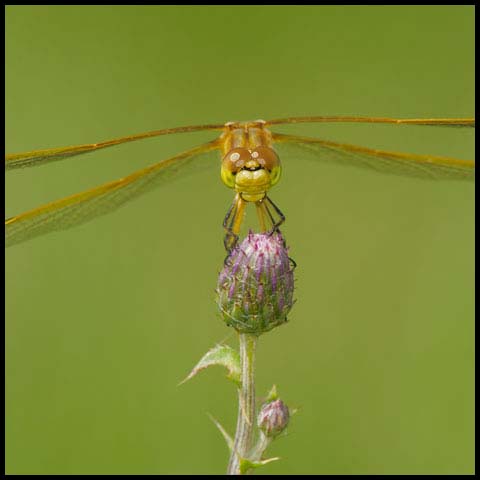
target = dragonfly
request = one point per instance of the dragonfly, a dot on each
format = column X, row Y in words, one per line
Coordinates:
column 250, row 165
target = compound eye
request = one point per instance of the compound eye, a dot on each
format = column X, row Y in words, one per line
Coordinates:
column 266, row 157
column 236, row 159
column 232, row 163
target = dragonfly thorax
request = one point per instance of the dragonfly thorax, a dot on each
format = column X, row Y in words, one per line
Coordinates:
column 251, row 171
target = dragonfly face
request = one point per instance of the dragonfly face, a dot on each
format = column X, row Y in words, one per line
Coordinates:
column 251, row 172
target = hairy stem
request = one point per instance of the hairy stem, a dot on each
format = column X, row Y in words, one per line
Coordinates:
column 246, row 404
column 260, row 447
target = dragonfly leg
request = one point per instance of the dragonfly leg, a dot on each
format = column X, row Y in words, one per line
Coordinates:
column 265, row 214
column 233, row 221
column 269, row 215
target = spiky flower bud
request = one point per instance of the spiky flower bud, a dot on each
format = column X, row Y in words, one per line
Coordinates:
column 255, row 287
column 273, row 418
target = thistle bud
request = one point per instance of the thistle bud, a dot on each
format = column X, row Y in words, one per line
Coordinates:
column 273, row 418
column 255, row 287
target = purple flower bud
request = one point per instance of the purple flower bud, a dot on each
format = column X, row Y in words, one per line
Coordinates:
column 255, row 287
column 273, row 418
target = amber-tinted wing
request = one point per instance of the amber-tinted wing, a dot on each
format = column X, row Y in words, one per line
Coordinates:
column 39, row 157
column 432, row 122
column 424, row 166
column 82, row 207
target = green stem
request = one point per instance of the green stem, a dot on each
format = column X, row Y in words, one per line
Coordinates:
column 260, row 447
column 246, row 404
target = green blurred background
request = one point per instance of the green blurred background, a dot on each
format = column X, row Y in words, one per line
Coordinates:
column 104, row 320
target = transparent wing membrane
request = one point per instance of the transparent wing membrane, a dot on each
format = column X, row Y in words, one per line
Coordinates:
column 39, row 157
column 423, row 166
column 84, row 206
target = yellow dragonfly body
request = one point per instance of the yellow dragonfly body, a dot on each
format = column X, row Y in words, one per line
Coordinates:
column 250, row 165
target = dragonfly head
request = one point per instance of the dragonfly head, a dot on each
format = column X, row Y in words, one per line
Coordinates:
column 251, row 172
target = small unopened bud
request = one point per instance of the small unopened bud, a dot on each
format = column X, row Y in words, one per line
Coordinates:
column 273, row 418
column 255, row 287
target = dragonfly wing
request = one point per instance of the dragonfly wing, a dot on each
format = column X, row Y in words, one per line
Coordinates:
column 82, row 207
column 39, row 157
column 433, row 122
column 423, row 166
